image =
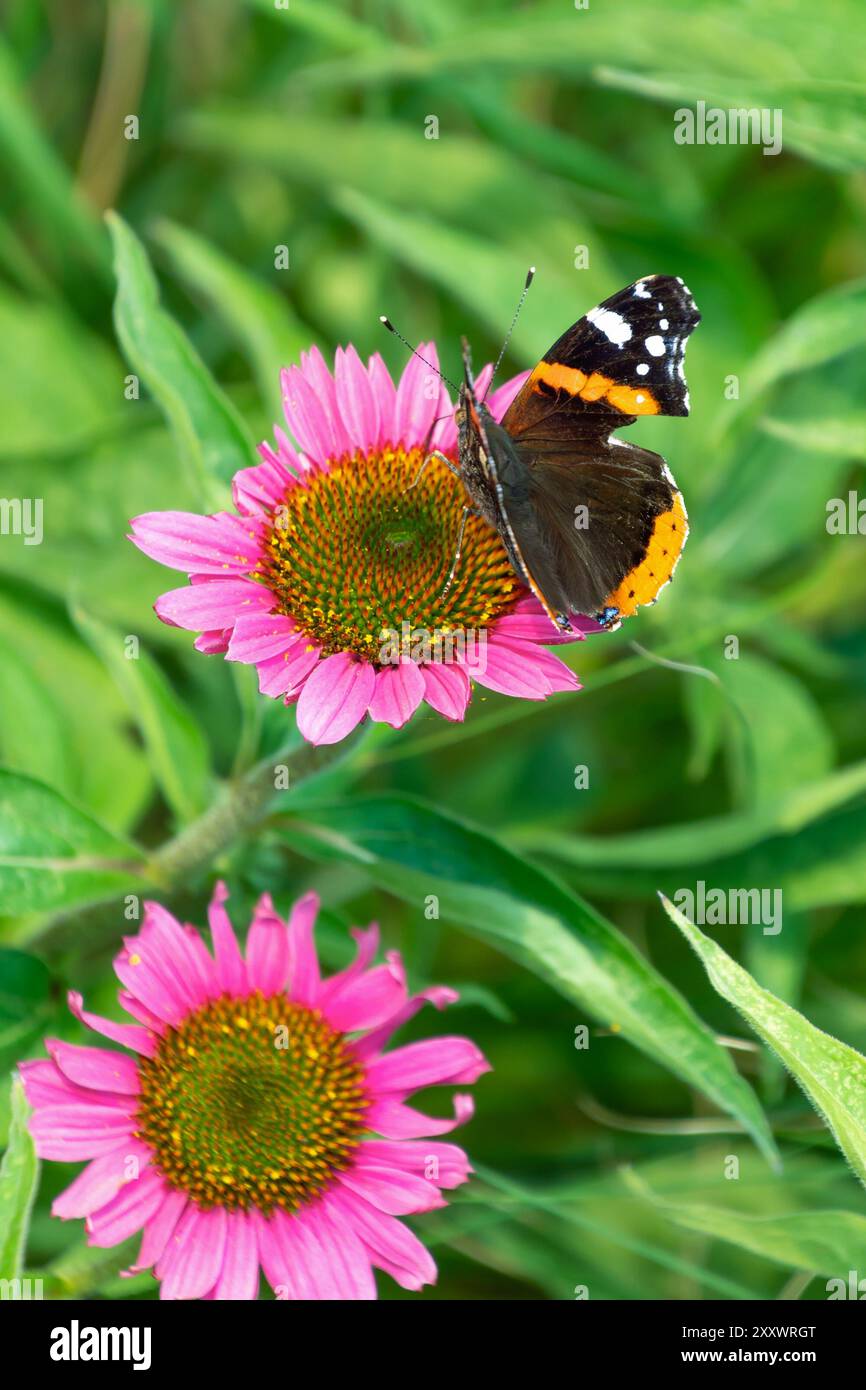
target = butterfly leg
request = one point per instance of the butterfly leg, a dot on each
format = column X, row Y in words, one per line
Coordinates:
column 434, row 454
column 467, row 511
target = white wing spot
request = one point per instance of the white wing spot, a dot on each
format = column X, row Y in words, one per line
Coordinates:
column 641, row 290
column 642, row 368
column 613, row 326
column 655, row 346
column 663, row 325
column 639, row 398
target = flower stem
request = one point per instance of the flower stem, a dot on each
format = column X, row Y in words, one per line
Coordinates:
column 242, row 805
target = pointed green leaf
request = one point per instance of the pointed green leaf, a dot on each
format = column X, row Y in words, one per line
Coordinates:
column 176, row 747
column 414, row 850
column 832, row 1074
column 211, row 437
column 19, row 1177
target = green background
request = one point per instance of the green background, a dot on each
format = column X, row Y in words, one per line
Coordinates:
column 261, row 127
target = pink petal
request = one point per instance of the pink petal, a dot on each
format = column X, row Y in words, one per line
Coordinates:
column 524, row 626
column 317, row 374
column 128, row 1212
column 141, row 967
column 136, row 1009
column 500, row 399
column 398, row 692
column 394, row 1120
column 356, row 401
column 391, row 1190
column 191, row 1261
column 213, row 643
column 444, row 1164
column 447, row 689
column 101, row 1180
column 433, row 1062
column 284, row 1270
column 316, row 1256
column 440, row 996
column 231, row 970
column 418, row 397
column 216, row 604
column 127, row 1034
column 368, row 1000
column 304, row 977
column 45, row 1085
column 278, row 675
column 335, row 698
column 521, row 669
column 316, row 429
column 392, row 1245
column 221, row 544
column 159, row 1230
column 343, row 1262
column 267, row 949
column 386, row 399
column 95, row 1068
column 264, row 487
column 259, row 635
column 182, row 955
column 367, row 940
column 239, row 1276
column 69, row 1133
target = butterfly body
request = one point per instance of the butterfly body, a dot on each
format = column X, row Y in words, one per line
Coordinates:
column 591, row 524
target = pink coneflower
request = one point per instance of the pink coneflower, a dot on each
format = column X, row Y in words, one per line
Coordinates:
column 260, row 1123
column 336, row 565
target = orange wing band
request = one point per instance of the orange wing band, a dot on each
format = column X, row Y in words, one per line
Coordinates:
column 629, row 400
column 643, row 584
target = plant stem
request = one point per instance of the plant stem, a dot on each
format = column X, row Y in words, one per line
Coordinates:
column 242, row 805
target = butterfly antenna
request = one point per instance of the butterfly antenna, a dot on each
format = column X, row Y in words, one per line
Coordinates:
column 391, row 329
column 529, row 278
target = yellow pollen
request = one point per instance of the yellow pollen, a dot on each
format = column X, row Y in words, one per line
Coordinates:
column 364, row 548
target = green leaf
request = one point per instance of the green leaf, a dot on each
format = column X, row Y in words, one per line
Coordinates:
column 413, row 851
column 101, row 765
column 53, row 856
column 260, row 316
column 780, row 740
column 828, row 1242
column 792, row 816
column 462, row 264
column 43, row 181
column 840, row 435
column 210, row 436
column 176, row 747
column 19, row 1178
column 819, row 331
column 25, row 1003
column 819, row 124
column 34, row 734
column 832, row 1074
column 39, row 343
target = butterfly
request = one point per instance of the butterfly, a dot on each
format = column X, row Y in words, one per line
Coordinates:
column 591, row 524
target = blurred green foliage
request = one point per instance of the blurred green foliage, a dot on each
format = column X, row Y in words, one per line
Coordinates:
column 261, row 127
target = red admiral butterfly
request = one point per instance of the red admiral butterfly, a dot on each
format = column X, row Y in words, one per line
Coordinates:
column 591, row 524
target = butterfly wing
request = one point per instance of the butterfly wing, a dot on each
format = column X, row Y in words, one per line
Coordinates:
column 600, row 523
column 622, row 359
